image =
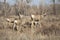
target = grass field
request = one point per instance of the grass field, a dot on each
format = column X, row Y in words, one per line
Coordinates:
column 50, row 29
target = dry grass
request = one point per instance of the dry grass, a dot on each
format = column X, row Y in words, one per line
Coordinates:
column 50, row 29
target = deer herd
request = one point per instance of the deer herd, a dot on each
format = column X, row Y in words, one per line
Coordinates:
column 35, row 19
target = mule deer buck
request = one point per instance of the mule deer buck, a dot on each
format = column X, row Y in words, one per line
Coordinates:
column 36, row 19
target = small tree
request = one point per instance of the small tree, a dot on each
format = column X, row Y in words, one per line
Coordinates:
column 54, row 11
column 42, row 3
column 4, row 8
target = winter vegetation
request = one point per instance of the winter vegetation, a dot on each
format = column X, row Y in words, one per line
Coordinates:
column 29, row 20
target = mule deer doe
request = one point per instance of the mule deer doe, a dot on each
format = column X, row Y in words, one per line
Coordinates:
column 15, row 22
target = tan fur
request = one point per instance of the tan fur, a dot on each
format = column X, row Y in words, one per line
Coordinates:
column 37, row 17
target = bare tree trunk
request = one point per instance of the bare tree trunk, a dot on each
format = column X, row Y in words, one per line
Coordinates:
column 4, row 1
column 42, row 6
column 54, row 10
column 5, row 8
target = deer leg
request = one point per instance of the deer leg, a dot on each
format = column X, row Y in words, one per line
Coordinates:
column 14, row 25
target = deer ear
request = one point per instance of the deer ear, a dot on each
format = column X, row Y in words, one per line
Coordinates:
column 7, row 19
column 15, row 21
column 33, row 16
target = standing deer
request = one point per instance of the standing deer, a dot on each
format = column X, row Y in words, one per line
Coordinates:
column 36, row 19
